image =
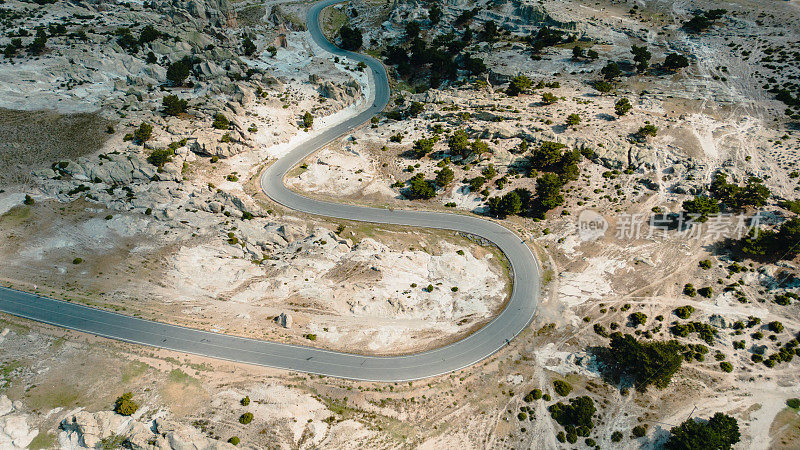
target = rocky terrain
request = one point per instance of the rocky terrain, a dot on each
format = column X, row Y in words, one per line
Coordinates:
column 171, row 225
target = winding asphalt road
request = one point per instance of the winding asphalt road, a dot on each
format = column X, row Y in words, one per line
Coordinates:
column 513, row 319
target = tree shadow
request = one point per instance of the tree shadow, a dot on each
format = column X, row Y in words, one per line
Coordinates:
column 605, row 116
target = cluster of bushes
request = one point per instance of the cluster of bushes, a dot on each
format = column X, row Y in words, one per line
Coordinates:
column 416, row 60
column 420, row 188
column 131, row 44
column 351, row 38
column 459, row 144
column 689, row 290
column 575, row 417
column 535, row 394
column 719, row 432
column 703, row 20
column 736, row 197
column 695, row 352
column 644, row 363
column 786, row 298
column 160, row 156
column 174, row 105
column 141, row 134
column 785, row 353
column 705, row 331
column 39, row 43
column 560, row 167
column 773, row 245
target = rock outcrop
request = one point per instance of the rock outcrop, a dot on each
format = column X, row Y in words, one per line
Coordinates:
column 14, row 430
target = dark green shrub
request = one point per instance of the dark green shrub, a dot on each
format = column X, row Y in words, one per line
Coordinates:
column 719, row 432
column 221, row 122
column 124, row 405
column 562, row 388
column 684, row 312
column 246, row 418
column 143, row 133
column 160, row 156
column 173, row 105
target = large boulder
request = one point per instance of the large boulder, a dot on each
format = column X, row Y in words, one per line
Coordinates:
column 15, row 434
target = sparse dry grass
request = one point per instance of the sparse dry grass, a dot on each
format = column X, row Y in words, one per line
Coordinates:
column 34, row 139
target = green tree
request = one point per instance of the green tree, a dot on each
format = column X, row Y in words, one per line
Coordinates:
column 774, row 245
column 143, row 133
column 415, row 109
column 220, row 122
column 548, row 98
column 577, row 52
column 37, row 46
column 173, row 105
column 642, row 57
column 611, row 71
column 562, row 388
column 573, row 119
column 178, row 71
column 475, row 184
column 478, row 146
column 124, row 405
column 444, row 176
column 675, row 61
column 434, row 13
column 645, row 363
column 160, row 156
column 637, row 319
column 622, row 106
column 603, row 86
column 351, row 38
column 518, row 85
column 420, row 188
column 701, row 207
column 506, row 205
column 578, row 413
column 474, row 65
column 248, row 46
column 546, row 156
column 422, row 147
column 308, row 120
column 246, row 418
column 647, row 130
column 548, row 194
column 458, row 143
column 719, row 433
column 148, row 35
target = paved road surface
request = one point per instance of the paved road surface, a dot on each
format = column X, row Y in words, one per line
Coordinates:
column 477, row 346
